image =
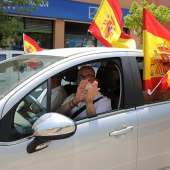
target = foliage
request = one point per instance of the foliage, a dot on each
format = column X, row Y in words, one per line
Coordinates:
column 133, row 21
column 13, row 26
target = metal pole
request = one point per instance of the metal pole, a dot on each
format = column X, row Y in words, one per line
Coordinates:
column 84, row 39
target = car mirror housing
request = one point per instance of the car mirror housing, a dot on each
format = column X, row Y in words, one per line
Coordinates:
column 52, row 126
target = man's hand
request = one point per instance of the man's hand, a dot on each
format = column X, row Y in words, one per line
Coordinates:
column 81, row 94
column 91, row 94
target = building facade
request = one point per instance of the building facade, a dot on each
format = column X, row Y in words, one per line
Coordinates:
column 165, row 3
column 64, row 23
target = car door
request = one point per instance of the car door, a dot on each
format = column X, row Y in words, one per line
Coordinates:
column 107, row 141
column 153, row 129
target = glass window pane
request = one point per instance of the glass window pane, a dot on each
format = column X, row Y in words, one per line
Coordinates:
column 15, row 71
column 27, row 112
column 41, row 31
column 76, row 35
column 2, row 57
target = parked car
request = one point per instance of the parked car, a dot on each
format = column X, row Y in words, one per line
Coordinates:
column 132, row 136
column 6, row 54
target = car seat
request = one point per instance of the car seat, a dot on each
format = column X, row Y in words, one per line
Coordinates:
column 106, row 83
column 71, row 77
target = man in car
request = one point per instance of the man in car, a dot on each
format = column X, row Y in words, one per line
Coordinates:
column 87, row 101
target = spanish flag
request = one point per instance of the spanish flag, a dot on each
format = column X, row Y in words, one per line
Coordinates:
column 125, row 41
column 107, row 26
column 165, row 83
column 156, row 48
column 30, row 45
column 106, row 23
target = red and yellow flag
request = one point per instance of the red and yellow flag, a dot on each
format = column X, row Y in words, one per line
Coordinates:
column 106, row 23
column 30, row 45
column 125, row 41
column 165, row 81
column 156, row 48
column 107, row 26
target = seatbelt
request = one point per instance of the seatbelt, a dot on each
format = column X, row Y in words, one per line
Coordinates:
column 83, row 108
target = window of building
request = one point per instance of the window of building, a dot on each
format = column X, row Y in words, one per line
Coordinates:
column 76, row 35
column 40, row 30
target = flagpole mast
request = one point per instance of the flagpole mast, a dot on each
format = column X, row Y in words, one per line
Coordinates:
column 150, row 92
column 84, row 39
column 23, row 42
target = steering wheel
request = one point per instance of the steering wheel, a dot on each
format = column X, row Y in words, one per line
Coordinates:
column 34, row 107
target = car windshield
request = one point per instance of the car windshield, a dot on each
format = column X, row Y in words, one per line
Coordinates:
column 14, row 71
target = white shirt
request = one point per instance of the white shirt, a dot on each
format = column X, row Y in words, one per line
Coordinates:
column 102, row 105
column 58, row 95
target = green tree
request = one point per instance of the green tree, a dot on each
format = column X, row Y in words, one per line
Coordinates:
column 133, row 21
column 13, row 26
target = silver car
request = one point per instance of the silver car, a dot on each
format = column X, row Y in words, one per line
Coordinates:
column 134, row 135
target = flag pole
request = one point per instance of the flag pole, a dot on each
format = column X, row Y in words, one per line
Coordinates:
column 84, row 39
column 23, row 42
column 150, row 92
column 140, row 40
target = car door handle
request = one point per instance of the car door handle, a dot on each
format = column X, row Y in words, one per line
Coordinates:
column 122, row 131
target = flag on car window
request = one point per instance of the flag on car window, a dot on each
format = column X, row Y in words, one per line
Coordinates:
column 107, row 26
column 30, row 45
column 156, row 48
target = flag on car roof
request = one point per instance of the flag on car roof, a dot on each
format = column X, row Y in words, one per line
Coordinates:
column 30, row 45
column 156, row 48
column 107, row 26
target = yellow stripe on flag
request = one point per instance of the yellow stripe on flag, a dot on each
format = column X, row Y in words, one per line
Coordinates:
column 153, row 56
column 168, row 80
column 105, row 19
column 29, row 47
column 123, row 43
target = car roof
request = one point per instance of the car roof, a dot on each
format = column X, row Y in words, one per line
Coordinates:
column 13, row 51
column 68, row 52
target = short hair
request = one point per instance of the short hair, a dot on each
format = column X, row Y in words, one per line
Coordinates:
column 87, row 67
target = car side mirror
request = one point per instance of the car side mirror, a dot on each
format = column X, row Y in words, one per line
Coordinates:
column 50, row 126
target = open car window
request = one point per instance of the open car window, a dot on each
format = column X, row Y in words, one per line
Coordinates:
column 110, row 86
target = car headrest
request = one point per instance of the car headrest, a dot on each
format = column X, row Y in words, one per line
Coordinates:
column 71, row 75
column 105, row 78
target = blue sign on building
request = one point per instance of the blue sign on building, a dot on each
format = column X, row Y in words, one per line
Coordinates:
column 63, row 9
